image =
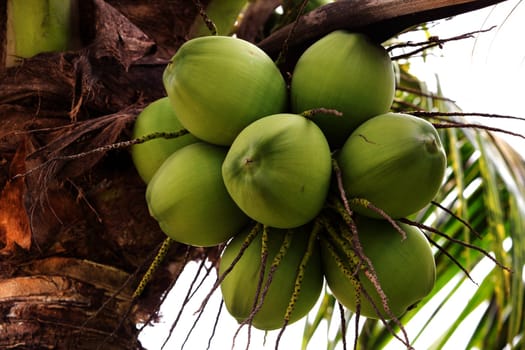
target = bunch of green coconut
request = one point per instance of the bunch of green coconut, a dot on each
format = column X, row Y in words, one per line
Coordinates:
column 302, row 182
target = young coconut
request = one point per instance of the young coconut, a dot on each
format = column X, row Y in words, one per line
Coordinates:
column 405, row 268
column 158, row 116
column 278, row 170
column 292, row 272
column 219, row 84
column 188, row 198
column 395, row 161
column 356, row 78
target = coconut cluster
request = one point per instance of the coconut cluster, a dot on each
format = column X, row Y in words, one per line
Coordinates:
column 255, row 170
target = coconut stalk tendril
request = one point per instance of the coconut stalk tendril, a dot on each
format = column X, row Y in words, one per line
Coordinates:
column 299, row 278
column 210, row 25
column 258, row 298
column 148, row 157
column 218, row 18
column 104, row 149
column 247, row 241
column 260, row 295
column 157, row 261
column 457, row 241
column 342, row 208
column 269, row 286
column 338, row 247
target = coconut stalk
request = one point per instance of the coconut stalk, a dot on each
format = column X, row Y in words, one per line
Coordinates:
column 36, row 26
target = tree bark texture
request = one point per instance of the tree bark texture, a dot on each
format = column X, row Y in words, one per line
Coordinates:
column 60, row 302
column 75, row 234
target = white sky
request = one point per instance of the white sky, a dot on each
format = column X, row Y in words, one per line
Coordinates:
column 483, row 75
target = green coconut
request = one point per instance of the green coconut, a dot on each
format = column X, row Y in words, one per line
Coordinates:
column 405, row 268
column 278, row 170
column 395, row 161
column 347, row 72
column 188, row 198
column 219, row 84
column 158, row 116
column 239, row 288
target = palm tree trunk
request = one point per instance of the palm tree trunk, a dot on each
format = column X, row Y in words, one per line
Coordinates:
column 66, row 303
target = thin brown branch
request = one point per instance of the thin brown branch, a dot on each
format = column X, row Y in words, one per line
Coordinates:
column 420, row 93
column 343, row 326
column 187, row 298
column 403, row 105
column 457, row 217
column 105, row 148
column 341, row 188
column 181, row 266
column 369, row 205
column 129, row 309
column 477, row 126
column 428, row 114
column 370, row 272
column 452, row 258
column 284, row 49
column 220, row 278
column 457, row 241
column 215, row 324
column 312, row 112
column 262, row 286
column 432, row 42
